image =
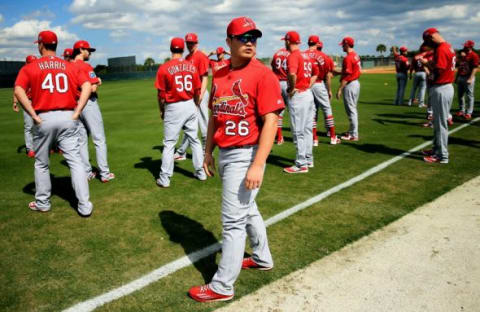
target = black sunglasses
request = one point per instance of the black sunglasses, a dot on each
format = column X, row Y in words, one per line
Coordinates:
column 246, row 38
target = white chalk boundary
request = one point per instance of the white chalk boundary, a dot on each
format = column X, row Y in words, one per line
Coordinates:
column 169, row 268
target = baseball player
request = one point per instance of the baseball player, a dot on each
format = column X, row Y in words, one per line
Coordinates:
column 279, row 68
column 55, row 111
column 419, row 78
column 91, row 116
column 245, row 104
column 178, row 82
column 401, row 66
column 300, row 79
column 466, row 80
column 220, row 62
column 350, row 87
column 321, row 89
column 68, row 55
column 441, row 93
column 201, row 62
column 27, row 119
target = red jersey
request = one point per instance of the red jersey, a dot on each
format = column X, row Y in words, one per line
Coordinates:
column 200, row 60
column 87, row 69
column 401, row 63
column 279, row 64
column 444, row 64
column 463, row 67
column 216, row 65
column 53, row 83
column 177, row 80
column 351, row 67
column 301, row 65
column 238, row 99
column 417, row 65
column 471, row 63
column 322, row 62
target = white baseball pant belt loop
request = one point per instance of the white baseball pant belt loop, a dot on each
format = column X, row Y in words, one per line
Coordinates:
column 178, row 116
column 441, row 97
column 202, row 114
column 351, row 93
column 240, row 217
column 301, row 120
column 92, row 120
column 58, row 126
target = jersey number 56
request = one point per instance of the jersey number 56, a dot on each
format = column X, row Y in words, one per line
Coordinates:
column 183, row 83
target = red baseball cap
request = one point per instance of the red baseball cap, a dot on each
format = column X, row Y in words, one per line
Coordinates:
column 403, row 49
column 469, row 44
column 47, row 37
column 320, row 44
column 67, row 52
column 191, row 37
column 313, row 39
column 30, row 59
column 82, row 44
column 177, row 43
column 220, row 50
column 347, row 40
column 429, row 32
column 241, row 25
column 292, row 36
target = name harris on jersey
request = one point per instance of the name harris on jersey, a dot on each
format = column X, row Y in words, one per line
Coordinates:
column 43, row 65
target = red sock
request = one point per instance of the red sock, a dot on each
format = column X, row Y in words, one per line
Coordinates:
column 315, row 137
column 332, row 132
column 279, row 134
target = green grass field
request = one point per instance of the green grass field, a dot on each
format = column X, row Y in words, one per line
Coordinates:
column 51, row 261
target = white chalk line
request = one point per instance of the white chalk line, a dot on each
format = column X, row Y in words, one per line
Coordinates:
column 169, row 268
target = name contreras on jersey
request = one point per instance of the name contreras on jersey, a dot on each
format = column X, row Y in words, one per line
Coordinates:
column 51, row 65
column 181, row 67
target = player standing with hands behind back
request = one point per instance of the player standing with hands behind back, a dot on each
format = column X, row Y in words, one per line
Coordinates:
column 245, row 104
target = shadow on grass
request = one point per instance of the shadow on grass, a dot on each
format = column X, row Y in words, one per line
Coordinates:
column 451, row 140
column 383, row 102
column 279, row 161
column 393, row 121
column 410, row 115
column 154, row 167
column 61, row 187
column 380, row 148
column 192, row 236
column 22, row 149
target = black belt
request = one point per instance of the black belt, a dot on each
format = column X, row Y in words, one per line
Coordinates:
column 238, row 146
column 53, row 110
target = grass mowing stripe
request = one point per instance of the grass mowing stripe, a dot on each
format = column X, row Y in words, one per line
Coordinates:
column 165, row 270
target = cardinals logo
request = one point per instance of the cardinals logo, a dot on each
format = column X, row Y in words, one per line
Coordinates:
column 234, row 105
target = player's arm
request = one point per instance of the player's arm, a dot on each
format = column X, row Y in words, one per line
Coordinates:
column 82, row 100
column 21, row 96
column 343, row 83
column 328, row 83
column 292, row 80
column 204, row 79
column 474, row 71
column 161, row 103
column 208, row 160
column 15, row 103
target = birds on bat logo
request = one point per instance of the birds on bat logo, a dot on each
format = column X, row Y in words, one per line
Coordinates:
column 234, row 105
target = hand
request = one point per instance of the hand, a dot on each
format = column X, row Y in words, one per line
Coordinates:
column 291, row 92
column 423, row 61
column 75, row 116
column 99, row 81
column 469, row 81
column 15, row 107
column 339, row 94
column 330, row 94
column 254, row 177
column 37, row 120
column 209, row 164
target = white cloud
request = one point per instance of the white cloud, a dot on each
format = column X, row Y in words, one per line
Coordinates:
column 43, row 13
column 342, row 15
column 447, row 11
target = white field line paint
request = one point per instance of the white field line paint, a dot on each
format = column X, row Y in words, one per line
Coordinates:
column 169, row 268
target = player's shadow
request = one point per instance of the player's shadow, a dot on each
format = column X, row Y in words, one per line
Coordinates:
column 380, row 148
column 383, row 102
column 279, row 161
column 61, row 187
column 154, row 167
column 192, row 236
column 393, row 121
column 452, row 140
column 22, row 149
column 407, row 115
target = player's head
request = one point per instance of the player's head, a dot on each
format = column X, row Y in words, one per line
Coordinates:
column 403, row 50
column 220, row 53
column 347, row 43
column 432, row 37
column 313, row 41
column 319, row 45
column 242, row 35
column 83, row 49
column 177, row 45
column 192, row 41
column 468, row 45
column 47, row 41
column 30, row 58
column 292, row 39
column 68, row 54
column 463, row 52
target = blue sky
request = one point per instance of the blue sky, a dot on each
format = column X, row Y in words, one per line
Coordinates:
column 145, row 27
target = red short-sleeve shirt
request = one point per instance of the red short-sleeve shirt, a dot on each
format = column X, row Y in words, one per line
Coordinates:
column 471, row 60
column 216, row 65
column 238, row 99
column 53, row 83
column 279, row 64
column 200, row 60
column 401, row 63
column 301, row 65
column 351, row 67
column 177, row 80
column 444, row 64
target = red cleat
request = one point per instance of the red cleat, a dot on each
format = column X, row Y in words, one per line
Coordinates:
column 459, row 114
column 280, row 141
column 467, row 117
column 205, row 294
column 108, row 178
column 450, row 121
column 248, row 263
column 295, row 169
column 349, row 137
column 31, row 154
column 435, row 159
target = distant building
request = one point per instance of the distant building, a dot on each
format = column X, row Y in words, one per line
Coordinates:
column 8, row 73
column 122, row 64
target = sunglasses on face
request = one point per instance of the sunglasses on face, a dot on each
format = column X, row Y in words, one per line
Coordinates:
column 245, row 38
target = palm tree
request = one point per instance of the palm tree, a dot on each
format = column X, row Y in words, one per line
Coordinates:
column 381, row 48
column 149, row 62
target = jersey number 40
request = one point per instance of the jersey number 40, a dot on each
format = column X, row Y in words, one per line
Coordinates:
column 59, row 83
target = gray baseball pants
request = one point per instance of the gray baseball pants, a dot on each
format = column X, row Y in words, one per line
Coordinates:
column 401, row 84
column 202, row 112
column 178, row 116
column 465, row 90
column 322, row 101
column 92, row 120
column 240, row 217
column 300, row 106
column 28, row 130
column 420, row 84
column 351, row 93
column 283, row 88
column 58, row 127
column 441, row 97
